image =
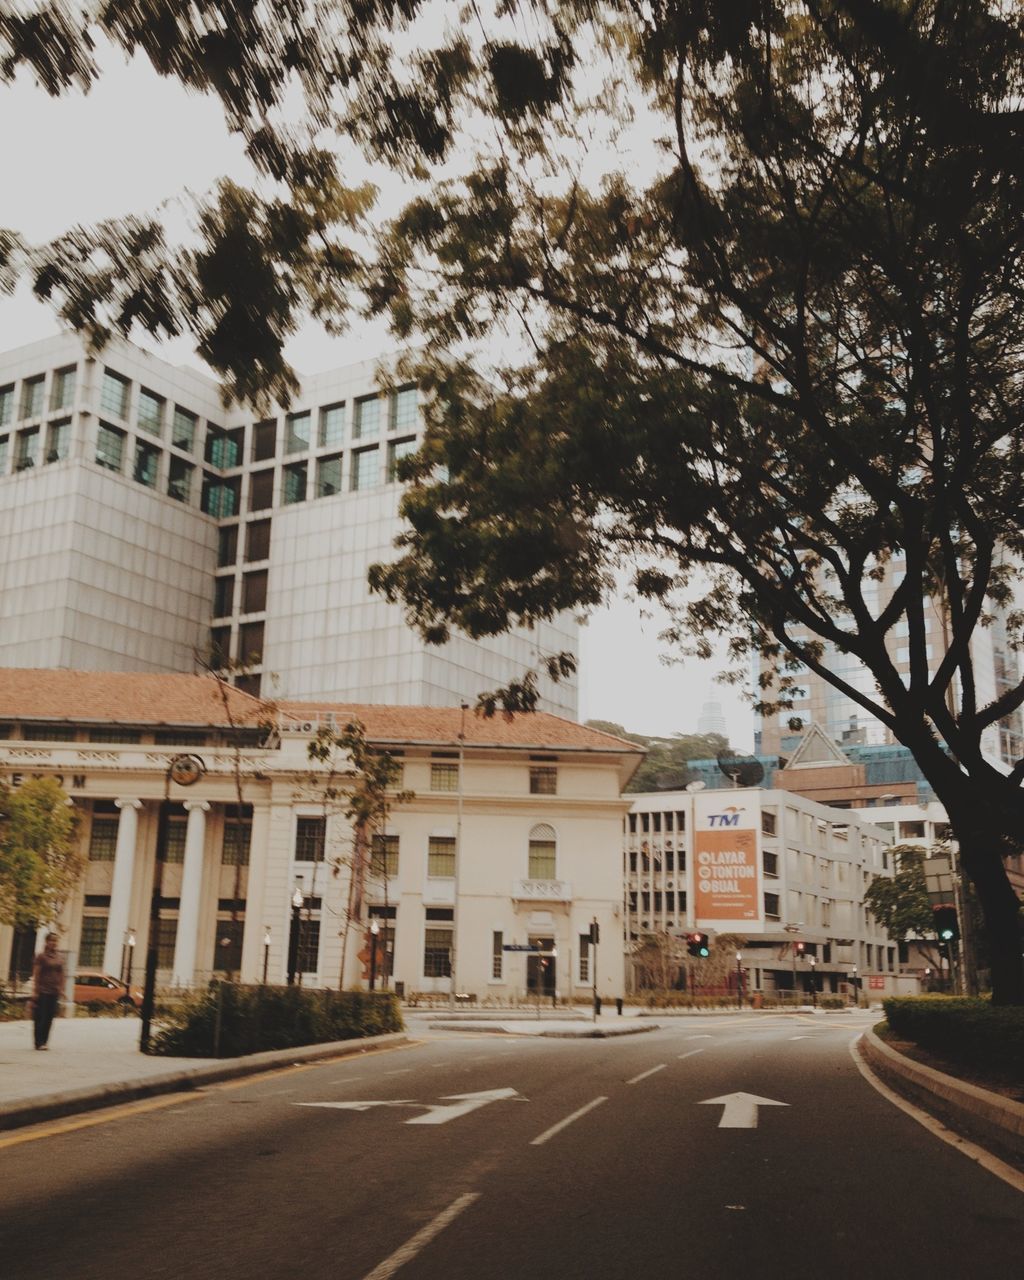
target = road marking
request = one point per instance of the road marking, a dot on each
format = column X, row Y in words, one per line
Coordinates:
column 691, row 1053
column 803, row 1037
column 402, row 1071
column 740, row 1109
column 106, row 1116
column 562, row 1124
column 1012, row 1177
column 700, row 1037
column 451, row 1107
column 644, row 1074
column 421, row 1239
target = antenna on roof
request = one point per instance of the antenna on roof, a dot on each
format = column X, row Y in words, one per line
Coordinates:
column 741, row 772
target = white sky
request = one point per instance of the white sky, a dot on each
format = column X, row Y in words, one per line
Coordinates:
column 132, row 145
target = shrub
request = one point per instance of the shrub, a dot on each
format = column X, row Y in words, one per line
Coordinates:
column 229, row 1020
column 971, row 1032
column 832, row 1002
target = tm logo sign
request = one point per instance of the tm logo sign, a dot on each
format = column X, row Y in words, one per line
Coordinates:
column 729, row 818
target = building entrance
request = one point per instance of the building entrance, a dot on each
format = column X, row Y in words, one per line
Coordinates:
column 540, row 968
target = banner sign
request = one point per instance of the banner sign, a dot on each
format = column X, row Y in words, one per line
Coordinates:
column 726, row 879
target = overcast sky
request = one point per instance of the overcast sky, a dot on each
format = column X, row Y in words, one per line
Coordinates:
column 132, row 145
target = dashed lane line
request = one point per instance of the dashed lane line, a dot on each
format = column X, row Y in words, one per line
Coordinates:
column 422, row 1238
column 644, row 1074
column 563, row 1124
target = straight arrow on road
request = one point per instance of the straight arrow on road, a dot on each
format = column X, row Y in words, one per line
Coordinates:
column 740, row 1109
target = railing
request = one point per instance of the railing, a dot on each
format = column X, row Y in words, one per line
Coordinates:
column 541, row 891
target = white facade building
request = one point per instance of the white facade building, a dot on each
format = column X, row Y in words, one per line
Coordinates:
column 510, row 840
column 144, row 527
column 771, row 867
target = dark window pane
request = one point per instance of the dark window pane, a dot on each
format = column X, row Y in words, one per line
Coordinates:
column 227, row 546
column 261, row 490
column 250, row 643
column 254, row 592
column 223, row 596
column 264, row 440
column 257, row 541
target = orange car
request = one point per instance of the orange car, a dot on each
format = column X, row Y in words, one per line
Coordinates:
column 93, row 987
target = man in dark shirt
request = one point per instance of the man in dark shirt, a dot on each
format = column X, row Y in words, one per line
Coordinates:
column 47, row 985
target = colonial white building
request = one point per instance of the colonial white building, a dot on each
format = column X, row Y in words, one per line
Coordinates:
column 143, row 525
column 207, row 828
column 786, row 874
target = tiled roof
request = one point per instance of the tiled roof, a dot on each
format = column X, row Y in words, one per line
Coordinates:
column 97, row 697
column 441, row 726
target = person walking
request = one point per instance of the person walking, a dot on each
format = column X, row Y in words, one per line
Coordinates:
column 47, row 985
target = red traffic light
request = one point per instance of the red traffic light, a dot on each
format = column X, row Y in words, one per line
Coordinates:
column 698, row 944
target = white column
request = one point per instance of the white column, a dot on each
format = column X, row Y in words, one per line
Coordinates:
column 187, row 939
column 121, row 885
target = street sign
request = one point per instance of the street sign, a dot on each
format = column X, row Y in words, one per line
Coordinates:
column 520, row 946
column 450, row 1107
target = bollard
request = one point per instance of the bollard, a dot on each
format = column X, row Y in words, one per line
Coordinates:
column 618, row 1005
column 597, row 1006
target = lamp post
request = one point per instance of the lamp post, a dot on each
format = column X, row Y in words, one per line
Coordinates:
column 266, row 951
column 293, row 942
column 814, row 981
column 856, row 988
column 554, row 975
column 739, row 980
column 374, row 931
column 127, row 955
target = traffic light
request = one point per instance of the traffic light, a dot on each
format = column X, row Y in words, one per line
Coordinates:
column 801, row 947
column 947, row 926
column 697, row 945
column 595, row 933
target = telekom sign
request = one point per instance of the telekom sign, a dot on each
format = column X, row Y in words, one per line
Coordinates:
column 726, row 879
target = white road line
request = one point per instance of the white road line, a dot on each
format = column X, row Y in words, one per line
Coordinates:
column 700, row 1037
column 421, row 1239
column 691, row 1053
column 1012, row 1177
column 402, row 1072
column 562, row 1124
column 644, row 1074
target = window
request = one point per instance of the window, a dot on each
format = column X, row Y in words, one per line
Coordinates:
column 110, row 447
column 224, row 448
column 365, row 469
column 307, row 952
column 310, row 836
column 771, row 906
column 367, row 419
column 384, row 857
column 237, row 835
column 441, row 857
column 150, row 413
column 3, row 454
column 147, row 461
column 293, row 483
column 542, row 853
column 26, row 453
column 58, row 438
column 584, row 954
column 543, row 780
column 911, row 830
column 227, row 946
column 103, row 839
column 257, row 540
column 174, row 837
column 227, row 544
column 166, row 936
column 62, row 391
column 497, row 955
column 220, row 497
column 250, row 643
column 767, row 822
column 223, row 595
column 254, row 592
column 403, row 409
column 264, row 440
column 6, row 405
column 183, row 429
column 32, row 397
column 332, row 425
column 437, row 952
column 398, row 449
column 220, row 646
column 114, row 395
column 250, row 684
column 296, row 432
column 770, row 863
column 115, row 734
column 93, row 941
column 444, row 776
column 328, row 476
column 261, row 490
column 179, row 479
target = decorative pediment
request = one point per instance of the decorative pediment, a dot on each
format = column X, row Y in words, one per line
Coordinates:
column 816, row 749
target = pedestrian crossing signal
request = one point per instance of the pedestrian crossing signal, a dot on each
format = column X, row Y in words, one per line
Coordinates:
column 697, row 945
column 947, row 926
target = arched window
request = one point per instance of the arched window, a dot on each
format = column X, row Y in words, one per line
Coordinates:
column 542, row 852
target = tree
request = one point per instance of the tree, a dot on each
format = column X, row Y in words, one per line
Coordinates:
column 39, row 861
column 790, row 355
column 900, row 902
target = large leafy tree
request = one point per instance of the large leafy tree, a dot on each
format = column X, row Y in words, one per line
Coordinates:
column 786, row 352
column 40, row 864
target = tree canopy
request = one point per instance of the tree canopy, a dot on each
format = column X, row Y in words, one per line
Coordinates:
column 39, row 862
column 665, row 765
column 754, row 274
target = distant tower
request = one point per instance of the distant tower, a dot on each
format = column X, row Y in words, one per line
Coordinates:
column 711, row 719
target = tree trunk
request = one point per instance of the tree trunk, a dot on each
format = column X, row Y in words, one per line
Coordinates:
column 1002, row 911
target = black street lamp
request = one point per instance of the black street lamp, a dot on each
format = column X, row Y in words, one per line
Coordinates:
column 293, row 943
column 374, row 931
column 127, row 955
column 266, row 951
column 814, row 982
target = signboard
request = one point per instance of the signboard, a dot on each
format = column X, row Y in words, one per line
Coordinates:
column 521, row 946
column 726, row 873
column 877, row 984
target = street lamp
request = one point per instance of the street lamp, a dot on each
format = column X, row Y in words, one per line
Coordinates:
column 127, row 955
column 374, row 931
column 814, row 982
column 293, row 944
column 739, row 979
column 856, row 989
column 266, row 951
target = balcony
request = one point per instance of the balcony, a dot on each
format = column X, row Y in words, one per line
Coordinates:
column 541, row 891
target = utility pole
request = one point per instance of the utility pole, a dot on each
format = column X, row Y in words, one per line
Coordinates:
column 453, row 980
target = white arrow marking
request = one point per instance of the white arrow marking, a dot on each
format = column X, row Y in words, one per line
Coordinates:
column 462, row 1104
column 740, row 1109
column 362, row 1106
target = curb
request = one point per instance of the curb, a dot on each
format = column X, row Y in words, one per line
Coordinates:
column 979, row 1113
column 54, row 1105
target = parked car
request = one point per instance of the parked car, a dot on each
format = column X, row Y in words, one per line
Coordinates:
column 93, row 987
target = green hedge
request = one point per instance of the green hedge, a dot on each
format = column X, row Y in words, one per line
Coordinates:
column 972, row 1032
column 229, row 1020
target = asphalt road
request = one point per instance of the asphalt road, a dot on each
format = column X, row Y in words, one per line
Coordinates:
column 588, row 1158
